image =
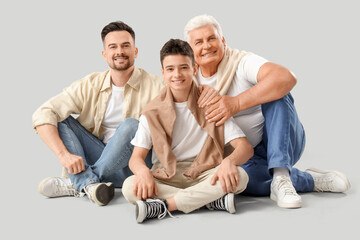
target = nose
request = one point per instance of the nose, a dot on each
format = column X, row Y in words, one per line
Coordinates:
column 177, row 73
column 119, row 50
column 207, row 45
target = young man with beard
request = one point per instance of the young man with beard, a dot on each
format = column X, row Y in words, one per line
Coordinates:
column 95, row 147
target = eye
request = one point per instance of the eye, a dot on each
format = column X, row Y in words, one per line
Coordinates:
column 169, row 69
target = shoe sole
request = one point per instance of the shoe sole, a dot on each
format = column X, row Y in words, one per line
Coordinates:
column 285, row 205
column 140, row 209
column 104, row 193
column 340, row 174
column 231, row 203
column 41, row 187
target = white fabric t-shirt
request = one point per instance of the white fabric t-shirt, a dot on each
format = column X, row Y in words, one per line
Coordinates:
column 251, row 121
column 113, row 115
column 188, row 136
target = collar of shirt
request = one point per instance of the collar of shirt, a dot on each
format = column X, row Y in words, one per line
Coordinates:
column 132, row 82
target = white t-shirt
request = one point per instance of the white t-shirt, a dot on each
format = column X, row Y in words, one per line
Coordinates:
column 188, row 136
column 113, row 115
column 251, row 121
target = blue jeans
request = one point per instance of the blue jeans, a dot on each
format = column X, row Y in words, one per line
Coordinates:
column 103, row 162
column 282, row 146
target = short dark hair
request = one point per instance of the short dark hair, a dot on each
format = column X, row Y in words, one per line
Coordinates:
column 117, row 26
column 175, row 47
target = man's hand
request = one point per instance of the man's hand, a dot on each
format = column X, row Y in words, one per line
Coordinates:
column 73, row 163
column 208, row 96
column 222, row 110
column 144, row 184
column 228, row 175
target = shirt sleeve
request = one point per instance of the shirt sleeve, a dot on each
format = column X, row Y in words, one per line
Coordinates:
column 60, row 107
column 232, row 131
column 142, row 137
column 249, row 67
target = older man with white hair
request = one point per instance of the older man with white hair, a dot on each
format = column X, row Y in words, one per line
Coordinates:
column 256, row 93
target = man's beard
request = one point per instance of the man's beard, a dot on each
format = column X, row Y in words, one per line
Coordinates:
column 122, row 67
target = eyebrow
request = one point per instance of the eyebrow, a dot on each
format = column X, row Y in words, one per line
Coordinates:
column 199, row 39
column 181, row 65
column 110, row 44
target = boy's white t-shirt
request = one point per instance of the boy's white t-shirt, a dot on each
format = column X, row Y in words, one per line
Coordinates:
column 113, row 115
column 251, row 121
column 188, row 136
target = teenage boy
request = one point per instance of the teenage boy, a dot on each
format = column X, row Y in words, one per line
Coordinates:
column 189, row 169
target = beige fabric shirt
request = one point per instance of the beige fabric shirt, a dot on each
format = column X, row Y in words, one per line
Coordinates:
column 161, row 115
column 88, row 97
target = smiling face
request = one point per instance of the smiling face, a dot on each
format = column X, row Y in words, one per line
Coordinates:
column 207, row 45
column 178, row 72
column 119, row 50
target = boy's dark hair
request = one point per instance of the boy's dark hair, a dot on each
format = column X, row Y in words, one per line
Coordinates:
column 175, row 47
column 117, row 26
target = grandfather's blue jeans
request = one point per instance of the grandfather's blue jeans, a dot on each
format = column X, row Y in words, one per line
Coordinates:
column 103, row 162
column 282, row 146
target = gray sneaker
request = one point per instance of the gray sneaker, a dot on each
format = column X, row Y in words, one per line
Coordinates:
column 57, row 187
column 226, row 202
column 329, row 181
column 100, row 193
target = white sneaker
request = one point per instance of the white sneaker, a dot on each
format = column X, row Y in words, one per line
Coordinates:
column 226, row 202
column 284, row 193
column 329, row 181
column 57, row 187
column 100, row 193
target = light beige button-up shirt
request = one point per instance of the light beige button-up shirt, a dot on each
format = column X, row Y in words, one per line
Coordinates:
column 89, row 96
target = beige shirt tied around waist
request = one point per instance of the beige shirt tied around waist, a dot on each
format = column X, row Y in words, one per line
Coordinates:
column 88, row 97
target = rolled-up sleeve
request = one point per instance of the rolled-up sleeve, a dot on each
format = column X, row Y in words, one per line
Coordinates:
column 58, row 108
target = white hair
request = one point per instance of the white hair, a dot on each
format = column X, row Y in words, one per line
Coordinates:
column 200, row 21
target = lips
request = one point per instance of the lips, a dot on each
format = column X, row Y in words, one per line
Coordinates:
column 178, row 81
column 208, row 54
column 121, row 58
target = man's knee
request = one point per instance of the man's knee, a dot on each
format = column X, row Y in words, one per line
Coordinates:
column 286, row 102
column 67, row 122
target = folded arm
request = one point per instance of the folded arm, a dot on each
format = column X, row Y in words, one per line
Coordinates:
column 274, row 82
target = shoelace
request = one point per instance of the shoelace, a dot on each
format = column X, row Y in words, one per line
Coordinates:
column 69, row 189
column 286, row 184
column 153, row 209
column 218, row 204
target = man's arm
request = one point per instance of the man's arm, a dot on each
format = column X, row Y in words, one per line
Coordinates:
column 274, row 82
column 144, row 183
column 50, row 135
column 227, row 172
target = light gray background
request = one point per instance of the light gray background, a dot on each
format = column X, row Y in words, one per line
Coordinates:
column 46, row 45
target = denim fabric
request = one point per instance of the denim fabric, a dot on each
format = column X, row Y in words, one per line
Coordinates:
column 282, row 146
column 103, row 163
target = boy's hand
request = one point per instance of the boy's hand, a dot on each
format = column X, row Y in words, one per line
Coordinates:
column 228, row 175
column 144, row 184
